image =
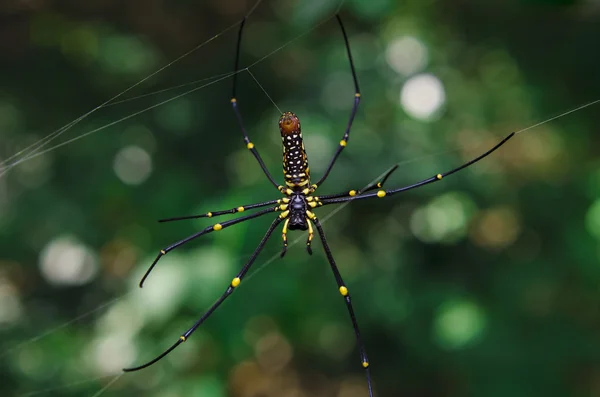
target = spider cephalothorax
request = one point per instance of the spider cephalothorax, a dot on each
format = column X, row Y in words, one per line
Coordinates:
column 298, row 208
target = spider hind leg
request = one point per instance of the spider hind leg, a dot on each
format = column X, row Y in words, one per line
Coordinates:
column 310, row 237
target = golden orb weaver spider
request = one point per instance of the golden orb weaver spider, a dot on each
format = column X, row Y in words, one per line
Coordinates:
column 295, row 208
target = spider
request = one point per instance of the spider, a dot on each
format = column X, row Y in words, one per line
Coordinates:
column 296, row 206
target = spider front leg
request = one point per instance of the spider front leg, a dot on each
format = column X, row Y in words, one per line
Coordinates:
column 346, row 295
column 346, row 135
column 342, row 198
column 234, row 283
column 211, row 214
column 214, row 228
column 238, row 115
column 369, row 187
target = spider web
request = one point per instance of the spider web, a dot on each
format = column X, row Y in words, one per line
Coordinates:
column 49, row 143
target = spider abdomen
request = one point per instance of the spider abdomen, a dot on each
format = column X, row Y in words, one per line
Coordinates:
column 295, row 161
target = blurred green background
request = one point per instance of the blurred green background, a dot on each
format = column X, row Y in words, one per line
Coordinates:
column 485, row 284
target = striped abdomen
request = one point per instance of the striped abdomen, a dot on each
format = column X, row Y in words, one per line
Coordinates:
column 295, row 162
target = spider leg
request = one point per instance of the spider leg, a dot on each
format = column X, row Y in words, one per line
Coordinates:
column 218, row 213
column 310, row 237
column 344, row 140
column 344, row 292
column 369, row 187
column 234, row 283
column 213, row 228
column 284, row 237
column 435, row 178
column 249, row 144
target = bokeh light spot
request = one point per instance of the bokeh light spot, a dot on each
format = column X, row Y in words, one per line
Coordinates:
column 112, row 352
column 592, row 219
column 66, row 261
column 444, row 219
column 10, row 117
column 496, row 228
column 176, row 116
column 160, row 299
column 80, row 44
column 406, row 55
column 422, row 96
column 458, row 323
column 336, row 340
column 132, row 165
column 122, row 54
column 273, row 352
column 10, row 305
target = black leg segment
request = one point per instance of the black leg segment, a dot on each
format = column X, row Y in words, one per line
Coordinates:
column 211, row 214
column 346, row 295
column 238, row 115
column 346, row 135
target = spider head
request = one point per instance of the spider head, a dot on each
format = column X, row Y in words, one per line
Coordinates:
column 289, row 124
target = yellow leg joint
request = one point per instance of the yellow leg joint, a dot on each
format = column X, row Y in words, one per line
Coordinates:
column 235, row 282
column 183, row 338
column 352, row 193
column 357, row 95
column 209, row 215
column 233, row 100
column 217, row 227
column 439, row 176
column 343, row 291
column 343, row 143
column 163, row 252
column 285, row 226
column 284, row 231
column 365, row 364
column 250, row 145
column 381, row 193
column 240, row 209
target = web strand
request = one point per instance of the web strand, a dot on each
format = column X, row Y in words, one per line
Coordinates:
column 263, row 89
column 559, row 116
column 108, row 385
column 35, row 147
column 72, row 384
column 59, row 327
